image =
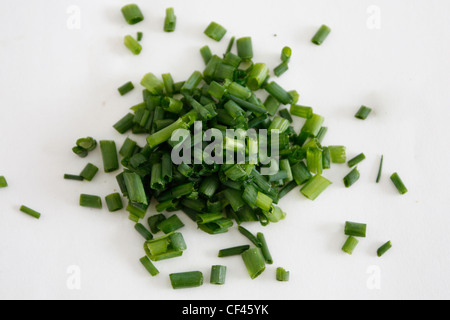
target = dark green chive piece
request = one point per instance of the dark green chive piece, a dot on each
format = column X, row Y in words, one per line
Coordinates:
column 321, row 35
column 90, row 201
column 132, row 14
column 350, row 245
column 380, row 170
column 125, row 124
column 171, row 224
column 109, row 155
column 281, row 69
column 264, row 248
column 385, row 248
column 154, row 221
column 234, row 251
column 82, row 153
column 206, row 54
column 218, row 275
column 88, row 143
column 147, row 263
column 127, row 87
column 351, row 178
column 395, row 178
column 282, row 275
column 170, row 22
column 89, row 172
column 3, row 183
column 140, row 36
column 70, row 177
column 114, row 202
column 132, row 44
column 143, row 231
column 215, row 31
column 275, row 90
column 254, row 262
column 245, row 48
column 30, row 212
column 356, row 160
column 363, row 113
column 135, row 188
column 186, row 280
column 355, row 229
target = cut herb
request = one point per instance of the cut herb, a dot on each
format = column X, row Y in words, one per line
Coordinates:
column 215, row 31
column 282, row 275
column 90, row 201
column 127, row 87
column 132, row 44
column 321, row 35
column 132, row 14
column 3, row 183
column 363, row 113
column 384, row 248
column 171, row 20
column 186, row 280
column 30, row 212
column 218, row 275
column 395, row 178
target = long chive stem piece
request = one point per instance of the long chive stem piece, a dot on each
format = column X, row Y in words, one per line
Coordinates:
column 350, row 245
column 356, row 160
column 380, row 170
column 234, row 251
column 321, row 35
column 385, row 248
column 3, row 182
column 218, row 275
column 254, row 262
column 143, row 231
column 30, row 212
column 90, row 201
column 147, row 263
column 250, row 236
column 186, row 280
column 109, row 155
column 395, row 178
column 355, row 229
column 264, row 248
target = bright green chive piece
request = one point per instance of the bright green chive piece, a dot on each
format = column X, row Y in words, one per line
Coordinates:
column 356, row 160
column 254, row 262
column 192, row 83
column 380, row 170
column 264, row 248
column 143, row 231
column 282, row 275
column 218, row 275
column 338, row 154
column 350, row 245
column 89, row 172
column 109, row 155
column 114, row 202
column 232, row 60
column 3, row 183
column 153, row 84
column 169, row 84
column 286, row 54
column 301, row 111
column 239, row 91
column 89, row 201
column 264, row 202
column 88, row 144
column 279, row 124
column 171, row 224
column 235, row 251
column 355, row 229
column 322, row 133
column 132, row 14
column 313, row 125
column 170, row 22
column 385, row 248
column 30, row 212
column 125, row 124
column 257, row 76
column 275, row 90
column 166, row 247
column 314, row 159
column 67, row 177
column 250, row 236
column 245, row 48
column 127, row 87
column 206, row 54
column 172, row 105
column 281, row 69
column 216, row 90
column 147, row 263
column 321, row 35
column 272, row 105
column 215, row 31
column 395, row 178
column 363, row 113
column 326, row 158
column 275, row 214
column 286, row 166
column 186, row 280
column 132, row 44
column 351, row 178
column 315, row 186
column 135, row 188
column 230, row 45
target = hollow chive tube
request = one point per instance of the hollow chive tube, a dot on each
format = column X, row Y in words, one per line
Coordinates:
column 170, row 22
column 148, row 265
column 338, row 154
column 363, row 113
column 114, row 202
column 282, row 275
column 90, row 201
column 171, row 224
column 127, row 87
column 132, row 44
column 281, row 69
column 109, row 155
column 264, row 248
column 89, row 172
column 351, row 178
column 356, row 160
column 257, row 76
column 171, row 105
column 350, row 245
column 3, row 183
column 206, row 54
column 234, row 251
column 82, row 153
column 321, row 35
column 153, row 84
column 315, row 186
column 355, row 229
column 245, row 48
column 275, row 90
column 30, row 212
column 385, row 248
column 218, row 275
column 380, row 169
column 143, row 231
column 125, row 124
column 264, row 202
column 215, row 31
column 286, row 54
column 301, row 111
column 254, row 262
column 314, row 160
column 186, row 280
column 395, row 178
column 239, row 91
column 169, row 84
column 132, row 14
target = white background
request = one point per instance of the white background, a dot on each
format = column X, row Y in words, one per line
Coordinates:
column 59, row 84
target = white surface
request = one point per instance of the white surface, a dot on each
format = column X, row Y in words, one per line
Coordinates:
column 59, row 84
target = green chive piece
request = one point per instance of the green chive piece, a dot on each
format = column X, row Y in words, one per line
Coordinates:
column 166, row 247
column 206, row 54
column 89, row 172
column 153, row 84
column 385, row 248
column 82, row 153
column 301, row 111
column 257, row 76
column 313, row 125
column 66, row 176
column 380, row 170
column 114, row 202
column 264, row 248
column 169, row 84
column 147, row 263
column 282, row 275
column 356, row 160
column 315, row 186
column 3, row 182
column 321, row 35
column 281, row 69
column 321, row 135
column 395, row 178
column 89, row 201
column 338, row 154
column 186, row 280
column 245, row 48
column 135, row 188
column 218, row 275
column 88, row 144
column 171, row 224
column 132, row 44
column 254, row 262
column 350, row 245
column 109, row 155
column 30, row 212
column 275, row 90
column 192, row 83
column 355, row 229
column 125, row 124
column 351, row 178
column 286, row 54
column 363, row 113
column 249, row 236
column 215, row 31
column 143, row 231
column 132, row 14
column 301, row 173
column 128, row 148
column 230, row 45
column 140, row 36
column 170, row 22
column 234, row 251
column 154, row 221
column 127, row 87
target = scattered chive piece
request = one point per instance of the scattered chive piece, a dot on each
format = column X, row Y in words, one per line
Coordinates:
column 140, row 36
column 233, row 251
column 186, row 280
column 132, row 44
column 171, row 224
column 315, row 186
column 89, row 172
column 264, row 248
column 281, row 69
column 114, row 202
column 218, row 275
column 338, row 154
column 30, row 212
column 154, row 85
column 171, row 20
column 380, row 170
column 321, row 35
column 3, row 183
column 88, row 144
column 254, row 262
column 351, row 178
column 67, row 177
column 147, row 263
column 206, row 54
column 395, row 178
column 286, row 54
column 132, row 14
column 322, row 133
column 215, row 31
column 143, row 231
column 356, row 160
column 385, row 248
column 286, row 115
column 90, row 201
column 355, row 229
column 301, row 111
column 127, row 87
column 245, row 48
column 300, row 173
column 282, row 275
column 109, row 155
column 363, row 113
column 350, row 245
column 249, row 236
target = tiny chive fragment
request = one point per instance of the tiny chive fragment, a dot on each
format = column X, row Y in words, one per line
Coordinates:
column 395, row 178
column 127, row 87
column 73, row 177
column 218, row 275
column 30, row 212
column 363, row 113
column 3, row 183
column 132, row 14
column 186, row 280
column 286, row 54
column 215, row 31
column 171, row 20
column 282, row 275
column 89, row 201
column 380, row 170
column 321, row 35
column 384, row 248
